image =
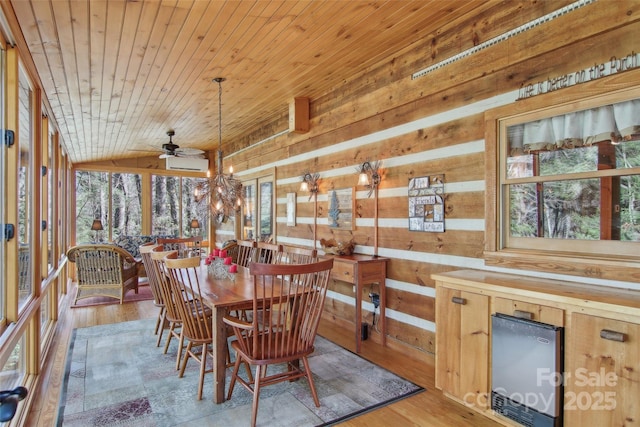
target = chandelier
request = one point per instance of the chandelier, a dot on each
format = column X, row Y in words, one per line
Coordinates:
column 223, row 192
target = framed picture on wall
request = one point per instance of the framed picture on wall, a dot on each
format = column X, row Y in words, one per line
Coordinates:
column 340, row 209
column 291, row 209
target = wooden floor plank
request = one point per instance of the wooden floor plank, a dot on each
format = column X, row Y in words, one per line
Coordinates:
column 429, row 408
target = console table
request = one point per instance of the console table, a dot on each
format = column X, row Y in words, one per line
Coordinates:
column 361, row 270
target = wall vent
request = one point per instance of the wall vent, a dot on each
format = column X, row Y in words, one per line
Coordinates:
column 191, row 164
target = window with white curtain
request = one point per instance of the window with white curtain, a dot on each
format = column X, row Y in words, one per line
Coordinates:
column 570, row 181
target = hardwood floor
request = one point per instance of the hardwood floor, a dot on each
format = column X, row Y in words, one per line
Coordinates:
column 429, row 408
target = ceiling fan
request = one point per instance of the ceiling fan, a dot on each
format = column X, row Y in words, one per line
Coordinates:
column 173, row 150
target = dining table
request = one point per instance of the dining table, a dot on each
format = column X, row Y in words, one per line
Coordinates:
column 233, row 292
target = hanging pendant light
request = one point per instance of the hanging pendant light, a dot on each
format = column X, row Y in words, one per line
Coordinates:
column 224, row 192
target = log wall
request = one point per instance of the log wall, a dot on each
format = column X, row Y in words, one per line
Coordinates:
column 434, row 124
column 431, row 125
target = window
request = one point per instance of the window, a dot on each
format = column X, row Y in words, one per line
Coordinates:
column 567, row 186
column 25, row 190
column 51, row 174
column 14, row 368
column 126, row 204
column 3, row 191
column 92, row 198
column 249, row 211
column 266, row 210
column 165, row 203
column 192, row 210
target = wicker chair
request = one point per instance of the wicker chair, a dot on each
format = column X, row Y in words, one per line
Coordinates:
column 103, row 270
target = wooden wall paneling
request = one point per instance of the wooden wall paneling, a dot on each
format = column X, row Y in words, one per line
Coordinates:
column 472, row 68
column 416, row 337
column 451, row 242
column 416, row 272
column 417, row 305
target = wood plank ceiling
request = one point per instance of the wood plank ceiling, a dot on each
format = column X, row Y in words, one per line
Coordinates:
column 119, row 74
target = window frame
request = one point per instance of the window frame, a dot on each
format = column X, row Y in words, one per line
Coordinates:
column 600, row 261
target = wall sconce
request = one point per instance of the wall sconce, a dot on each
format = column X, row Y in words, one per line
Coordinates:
column 310, row 183
column 370, row 177
column 97, row 227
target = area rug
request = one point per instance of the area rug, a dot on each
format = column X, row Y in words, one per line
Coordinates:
column 144, row 294
column 116, row 376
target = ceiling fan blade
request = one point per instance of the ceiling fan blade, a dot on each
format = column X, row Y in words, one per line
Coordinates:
column 166, row 155
column 188, row 151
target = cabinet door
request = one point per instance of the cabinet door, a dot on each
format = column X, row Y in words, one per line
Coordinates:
column 462, row 345
column 602, row 362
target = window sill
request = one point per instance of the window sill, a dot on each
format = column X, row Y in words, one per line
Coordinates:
column 606, row 268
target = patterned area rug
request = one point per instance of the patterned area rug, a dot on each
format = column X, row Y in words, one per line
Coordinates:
column 116, row 376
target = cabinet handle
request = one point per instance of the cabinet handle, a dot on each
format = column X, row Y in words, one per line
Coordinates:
column 612, row 335
column 523, row 314
column 458, row 300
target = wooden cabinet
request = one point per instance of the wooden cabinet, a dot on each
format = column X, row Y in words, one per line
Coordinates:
column 602, row 385
column 602, row 341
column 462, row 343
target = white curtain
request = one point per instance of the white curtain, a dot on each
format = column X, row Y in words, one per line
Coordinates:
column 614, row 123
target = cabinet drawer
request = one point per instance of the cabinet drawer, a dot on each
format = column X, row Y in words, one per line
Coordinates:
column 537, row 312
column 343, row 271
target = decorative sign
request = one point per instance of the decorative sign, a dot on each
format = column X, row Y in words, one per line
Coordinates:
column 340, row 214
column 597, row 71
column 426, row 204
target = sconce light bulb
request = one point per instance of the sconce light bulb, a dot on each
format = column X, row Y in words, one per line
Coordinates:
column 304, row 186
column 231, row 170
column 364, row 179
column 219, row 204
column 208, row 174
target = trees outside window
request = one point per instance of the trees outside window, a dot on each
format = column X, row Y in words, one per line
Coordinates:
column 92, row 202
column 126, row 204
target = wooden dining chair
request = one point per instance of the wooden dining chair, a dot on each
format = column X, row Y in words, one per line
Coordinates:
column 296, row 255
column 231, row 248
column 192, row 246
column 172, row 315
column 246, row 252
column 287, row 337
column 158, row 301
column 268, row 253
column 196, row 316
